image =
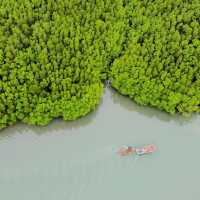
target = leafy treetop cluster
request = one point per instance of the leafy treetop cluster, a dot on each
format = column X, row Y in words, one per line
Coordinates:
column 160, row 65
column 54, row 57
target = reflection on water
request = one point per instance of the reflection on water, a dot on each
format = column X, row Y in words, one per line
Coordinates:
column 148, row 111
column 53, row 162
column 60, row 124
column 110, row 94
column 54, row 126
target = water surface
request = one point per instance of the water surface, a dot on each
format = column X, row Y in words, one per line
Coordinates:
column 77, row 160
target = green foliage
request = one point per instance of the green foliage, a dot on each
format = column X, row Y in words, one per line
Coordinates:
column 56, row 55
column 160, row 65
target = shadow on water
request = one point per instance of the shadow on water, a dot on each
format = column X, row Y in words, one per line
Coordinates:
column 147, row 111
column 54, row 126
column 59, row 125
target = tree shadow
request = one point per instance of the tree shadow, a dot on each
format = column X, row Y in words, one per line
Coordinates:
column 54, row 126
column 150, row 112
column 59, row 125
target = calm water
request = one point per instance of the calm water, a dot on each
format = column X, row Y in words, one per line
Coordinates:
column 77, row 160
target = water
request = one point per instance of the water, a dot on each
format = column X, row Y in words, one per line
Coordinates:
column 77, row 160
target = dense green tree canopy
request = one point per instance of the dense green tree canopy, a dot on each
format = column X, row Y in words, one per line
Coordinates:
column 160, row 65
column 56, row 55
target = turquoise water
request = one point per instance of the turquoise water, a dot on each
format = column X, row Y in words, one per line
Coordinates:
column 77, row 160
